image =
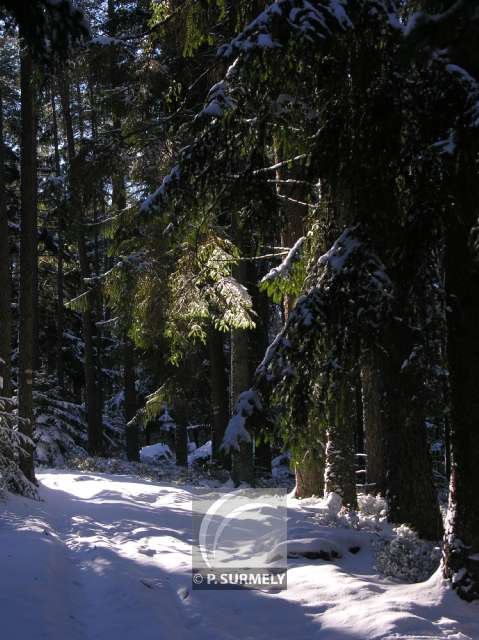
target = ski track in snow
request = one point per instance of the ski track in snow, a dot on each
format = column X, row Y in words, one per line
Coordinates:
column 106, row 557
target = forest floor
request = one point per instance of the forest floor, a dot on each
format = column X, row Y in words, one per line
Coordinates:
column 105, row 557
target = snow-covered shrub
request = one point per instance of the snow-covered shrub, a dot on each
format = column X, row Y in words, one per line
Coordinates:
column 280, row 467
column 11, row 446
column 373, row 511
column 406, row 556
column 331, row 512
column 201, row 456
column 114, row 466
column 60, row 429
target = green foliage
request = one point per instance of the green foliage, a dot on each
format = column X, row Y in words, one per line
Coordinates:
column 288, row 279
column 203, row 290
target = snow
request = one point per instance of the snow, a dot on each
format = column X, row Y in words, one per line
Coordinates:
column 339, row 253
column 284, row 269
column 160, row 196
column 107, row 557
column 218, row 100
column 236, row 431
column 201, row 453
column 105, row 40
column 155, row 452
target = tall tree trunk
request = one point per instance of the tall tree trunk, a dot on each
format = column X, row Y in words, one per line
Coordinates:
column 408, row 483
column 259, row 342
column 219, row 395
column 93, row 404
column 242, row 460
column 461, row 544
column 291, row 189
column 340, row 474
column 374, row 427
column 240, row 376
column 132, row 439
column 5, row 278
column 181, row 444
column 60, row 314
column 28, row 187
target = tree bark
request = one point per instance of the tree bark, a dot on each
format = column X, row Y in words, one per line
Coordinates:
column 132, row 440
column 409, row 486
column 374, row 429
column 181, row 445
column 5, row 278
column 219, row 395
column 339, row 474
column 309, row 472
column 259, row 341
column 28, row 187
column 461, row 543
column 60, row 314
column 93, row 404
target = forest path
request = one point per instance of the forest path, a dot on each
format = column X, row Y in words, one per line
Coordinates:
column 106, row 557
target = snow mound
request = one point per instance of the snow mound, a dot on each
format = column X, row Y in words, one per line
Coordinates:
column 156, row 453
column 311, row 548
column 201, row 454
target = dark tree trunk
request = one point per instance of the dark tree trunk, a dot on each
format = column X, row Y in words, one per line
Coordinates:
column 259, row 342
column 5, row 278
column 408, row 484
column 93, row 403
column 219, row 395
column 374, row 428
column 28, row 187
column 132, row 439
column 240, row 375
column 461, row 544
column 181, row 445
column 340, row 474
column 60, row 314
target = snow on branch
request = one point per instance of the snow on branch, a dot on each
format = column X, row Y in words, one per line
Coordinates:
column 236, row 432
column 160, row 196
column 218, row 101
column 312, row 21
column 471, row 86
column 341, row 250
column 284, row 269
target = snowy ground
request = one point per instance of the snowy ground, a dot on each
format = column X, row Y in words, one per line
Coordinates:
column 107, row 557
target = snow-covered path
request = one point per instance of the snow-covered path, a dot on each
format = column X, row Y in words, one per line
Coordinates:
column 108, row 558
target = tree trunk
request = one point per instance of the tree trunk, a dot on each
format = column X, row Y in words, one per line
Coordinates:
column 259, row 341
column 374, row 429
column 309, row 464
column 93, row 404
column 339, row 474
column 461, row 543
column 60, row 314
column 309, row 472
column 28, row 187
column 242, row 460
column 219, row 395
column 181, row 445
column 5, row 278
column 409, row 486
column 132, row 440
